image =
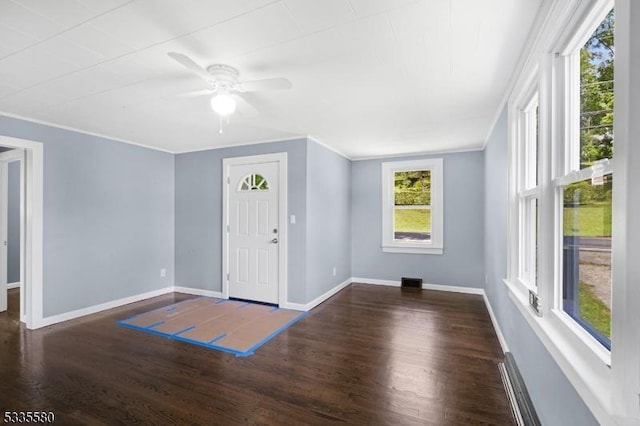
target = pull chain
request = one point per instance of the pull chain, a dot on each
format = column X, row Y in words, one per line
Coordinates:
column 220, row 123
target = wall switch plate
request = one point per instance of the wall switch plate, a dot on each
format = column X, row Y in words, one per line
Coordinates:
column 163, row 273
column 334, row 271
column 292, row 219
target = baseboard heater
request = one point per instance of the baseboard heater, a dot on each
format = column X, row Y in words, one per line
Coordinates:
column 521, row 405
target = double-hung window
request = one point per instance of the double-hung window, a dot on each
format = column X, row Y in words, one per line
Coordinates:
column 562, row 180
column 584, row 182
column 412, row 206
column 565, row 206
column 528, row 192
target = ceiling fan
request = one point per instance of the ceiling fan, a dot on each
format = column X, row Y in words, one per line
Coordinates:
column 225, row 85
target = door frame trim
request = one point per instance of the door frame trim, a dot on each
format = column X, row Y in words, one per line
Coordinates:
column 32, row 231
column 283, row 235
column 4, row 231
column 6, row 158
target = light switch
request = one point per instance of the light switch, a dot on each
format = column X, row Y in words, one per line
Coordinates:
column 292, row 219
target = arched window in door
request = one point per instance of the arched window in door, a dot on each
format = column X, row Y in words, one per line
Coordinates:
column 254, row 182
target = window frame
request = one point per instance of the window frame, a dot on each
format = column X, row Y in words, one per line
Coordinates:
column 567, row 164
column 436, row 243
column 525, row 227
column 607, row 381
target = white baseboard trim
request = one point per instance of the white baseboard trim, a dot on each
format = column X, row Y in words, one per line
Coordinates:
column 318, row 300
column 496, row 326
column 294, row 306
column 374, row 281
column 197, row 291
column 438, row 287
column 13, row 285
column 454, row 289
column 102, row 307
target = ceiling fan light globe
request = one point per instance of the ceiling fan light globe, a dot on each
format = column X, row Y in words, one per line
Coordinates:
column 223, row 104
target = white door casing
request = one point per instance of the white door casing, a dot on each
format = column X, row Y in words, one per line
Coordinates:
column 3, row 234
column 15, row 155
column 254, row 228
column 31, row 214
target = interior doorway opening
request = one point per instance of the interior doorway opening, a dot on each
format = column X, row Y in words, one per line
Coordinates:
column 29, row 157
column 11, row 231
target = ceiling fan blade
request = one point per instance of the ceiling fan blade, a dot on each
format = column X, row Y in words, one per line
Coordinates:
column 266, row 84
column 245, row 107
column 196, row 93
column 189, row 64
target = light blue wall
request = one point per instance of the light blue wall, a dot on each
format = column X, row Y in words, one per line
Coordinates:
column 13, row 223
column 462, row 263
column 198, row 210
column 328, row 219
column 112, row 215
column 556, row 401
column 108, row 217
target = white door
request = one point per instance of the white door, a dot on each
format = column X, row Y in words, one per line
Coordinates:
column 253, row 231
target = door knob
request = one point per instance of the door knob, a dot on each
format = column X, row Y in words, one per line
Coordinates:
column 274, row 241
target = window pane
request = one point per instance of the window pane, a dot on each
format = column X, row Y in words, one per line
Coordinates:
column 587, row 255
column 529, row 272
column 412, row 206
column 537, row 142
column 531, row 146
column 254, row 182
column 596, row 94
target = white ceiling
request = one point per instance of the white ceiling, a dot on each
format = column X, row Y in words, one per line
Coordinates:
column 370, row 77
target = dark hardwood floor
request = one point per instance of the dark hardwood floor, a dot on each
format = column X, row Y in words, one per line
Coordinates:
column 369, row 355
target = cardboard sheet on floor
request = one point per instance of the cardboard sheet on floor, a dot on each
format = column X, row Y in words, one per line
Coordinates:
column 228, row 325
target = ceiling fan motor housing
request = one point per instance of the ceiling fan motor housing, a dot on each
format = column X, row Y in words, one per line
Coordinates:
column 223, row 74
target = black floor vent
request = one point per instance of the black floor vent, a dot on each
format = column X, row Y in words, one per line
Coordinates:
column 521, row 404
column 411, row 283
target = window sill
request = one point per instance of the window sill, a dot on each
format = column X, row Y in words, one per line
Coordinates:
column 412, row 249
column 584, row 363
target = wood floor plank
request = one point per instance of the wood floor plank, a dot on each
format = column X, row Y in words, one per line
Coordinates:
column 369, row 355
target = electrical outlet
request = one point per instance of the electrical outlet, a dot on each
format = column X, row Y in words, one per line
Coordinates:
column 163, row 273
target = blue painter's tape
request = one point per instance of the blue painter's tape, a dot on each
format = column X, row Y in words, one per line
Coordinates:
column 274, row 309
column 155, row 324
column 278, row 331
column 191, row 327
column 146, row 330
column 206, row 345
column 221, row 301
column 215, row 339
